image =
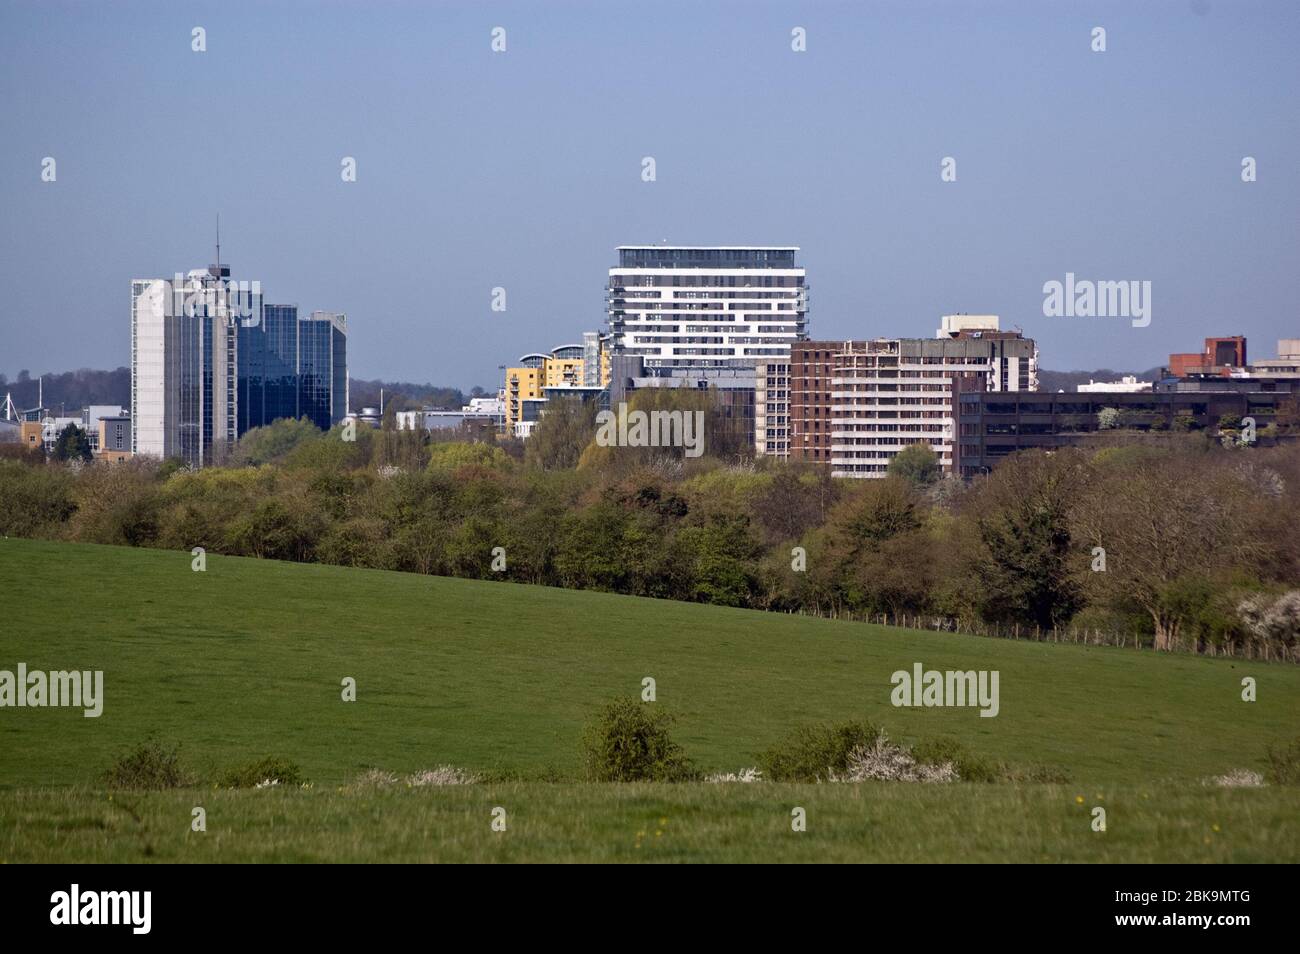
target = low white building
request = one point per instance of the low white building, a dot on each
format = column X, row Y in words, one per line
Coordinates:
column 1127, row 384
column 1285, row 365
column 478, row 410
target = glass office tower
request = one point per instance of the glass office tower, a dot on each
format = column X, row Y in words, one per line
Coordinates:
column 210, row 361
column 268, row 367
column 184, row 363
column 323, row 368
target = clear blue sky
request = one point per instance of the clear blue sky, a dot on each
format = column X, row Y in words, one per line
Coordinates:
column 522, row 169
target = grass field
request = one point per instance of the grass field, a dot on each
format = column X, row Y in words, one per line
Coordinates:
column 872, row 822
column 246, row 660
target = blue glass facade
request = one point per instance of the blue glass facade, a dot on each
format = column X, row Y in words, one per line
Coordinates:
column 322, row 368
column 339, row 386
column 291, row 367
column 193, row 356
column 268, row 358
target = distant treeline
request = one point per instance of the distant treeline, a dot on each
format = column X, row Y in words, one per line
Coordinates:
column 1173, row 541
column 67, row 393
column 406, row 395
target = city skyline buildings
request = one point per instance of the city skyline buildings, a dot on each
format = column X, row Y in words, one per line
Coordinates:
column 854, row 131
column 210, row 360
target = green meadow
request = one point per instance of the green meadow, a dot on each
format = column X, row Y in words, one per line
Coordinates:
column 247, row 660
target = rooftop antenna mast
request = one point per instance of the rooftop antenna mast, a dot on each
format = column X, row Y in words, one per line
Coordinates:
column 218, row 242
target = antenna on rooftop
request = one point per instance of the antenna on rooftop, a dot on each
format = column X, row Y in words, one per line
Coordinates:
column 218, row 241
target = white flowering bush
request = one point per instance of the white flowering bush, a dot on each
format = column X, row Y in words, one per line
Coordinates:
column 744, row 775
column 442, row 775
column 887, row 762
column 1272, row 619
column 438, row 776
column 375, row 778
column 1237, row 778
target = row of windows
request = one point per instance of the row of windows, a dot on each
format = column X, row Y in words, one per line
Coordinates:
column 618, row 283
column 873, row 388
column 719, row 293
column 915, row 422
column 656, row 362
column 652, row 339
column 1019, row 429
column 1074, row 407
column 893, row 402
column 706, row 257
column 696, row 311
column 733, row 329
column 880, row 441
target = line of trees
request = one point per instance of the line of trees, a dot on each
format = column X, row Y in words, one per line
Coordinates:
column 69, row 390
column 73, row 390
column 1171, row 541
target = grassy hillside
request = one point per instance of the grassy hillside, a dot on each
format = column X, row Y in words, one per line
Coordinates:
column 248, row 656
column 246, row 660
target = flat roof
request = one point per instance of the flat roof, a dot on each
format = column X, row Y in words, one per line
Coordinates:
column 727, row 248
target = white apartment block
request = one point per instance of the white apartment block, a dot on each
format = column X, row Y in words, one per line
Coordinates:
column 888, row 394
column 772, row 407
column 697, row 307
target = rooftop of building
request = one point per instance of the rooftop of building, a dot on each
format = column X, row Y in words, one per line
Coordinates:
column 723, row 248
column 707, row 256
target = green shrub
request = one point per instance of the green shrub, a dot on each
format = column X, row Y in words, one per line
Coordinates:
column 150, row 766
column 270, row 769
column 970, row 767
column 940, row 749
column 629, row 741
column 812, row 752
column 917, row 464
column 1283, row 763
column 35, row 501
